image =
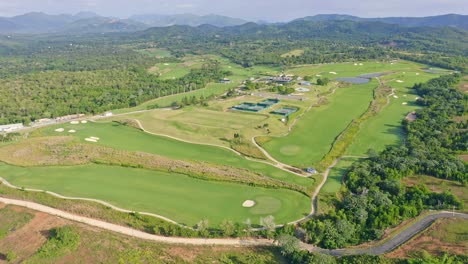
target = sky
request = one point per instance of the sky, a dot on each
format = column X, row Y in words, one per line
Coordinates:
column 270, row 10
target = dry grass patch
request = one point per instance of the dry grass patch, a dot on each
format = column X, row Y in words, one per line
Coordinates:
column 444, row 236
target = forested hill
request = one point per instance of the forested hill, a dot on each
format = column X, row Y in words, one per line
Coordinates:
column 451, row 41
column 449, row 20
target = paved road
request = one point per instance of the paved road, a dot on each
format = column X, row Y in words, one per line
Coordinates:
column 374, row 250
column 394, row 242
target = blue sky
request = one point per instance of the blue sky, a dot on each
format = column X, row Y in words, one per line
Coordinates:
column 272, row 10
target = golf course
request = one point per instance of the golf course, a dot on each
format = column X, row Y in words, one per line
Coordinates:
column 215, row 135
column 178, row 197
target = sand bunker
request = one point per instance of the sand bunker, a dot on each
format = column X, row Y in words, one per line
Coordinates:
column 248, row 203
column 84, row 122
column 417, row 73
column 74, row 122
column 355, row 64
column 92, row 139
column 360, row 64
column 405, row 103
column 59, row 130
column 318, row 75
column 404, row 95
column 333, row 73
column 166, row 64
column 72, row 131
column 396, row 97
column 399, row 81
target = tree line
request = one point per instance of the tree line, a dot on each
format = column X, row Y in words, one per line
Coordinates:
column 375, row 199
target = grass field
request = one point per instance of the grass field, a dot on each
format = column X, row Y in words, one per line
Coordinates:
column 439, row 185
column 127, row 138
column 155, row 52
column 333, row 183
column 212, row 89
column 199, row 124
column 316, row 131
column 385, row 128
column 351, row 70
column 181, row 198
column 296, row 52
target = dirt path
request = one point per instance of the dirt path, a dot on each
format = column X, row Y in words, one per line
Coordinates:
column 135, row 233
column 6, row 183
column 373, row 250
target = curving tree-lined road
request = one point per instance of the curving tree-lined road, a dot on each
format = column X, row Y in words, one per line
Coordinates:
column 385, row 247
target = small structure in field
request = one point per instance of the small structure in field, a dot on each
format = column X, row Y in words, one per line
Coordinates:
column 311, row 170
column 60, row 130
column 225, row 80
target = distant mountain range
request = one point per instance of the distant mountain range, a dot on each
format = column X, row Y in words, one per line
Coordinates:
column 449, row 20
column 187, row 20
column 88, row 22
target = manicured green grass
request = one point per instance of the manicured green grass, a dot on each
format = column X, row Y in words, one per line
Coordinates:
column 200, row 124
column 385, row 128
column 333, row 183
column 127, row 138
column 155, row 52
column 314, row 134
column 212, row 89
column 351, row 70
column 179, row 197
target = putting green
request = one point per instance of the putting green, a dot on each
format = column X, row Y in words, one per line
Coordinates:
column 179, row 197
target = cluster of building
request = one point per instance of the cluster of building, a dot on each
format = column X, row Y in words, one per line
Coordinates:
column 44, row 121
column 282, row 79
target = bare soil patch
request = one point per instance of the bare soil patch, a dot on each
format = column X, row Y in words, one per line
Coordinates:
column 28, row 239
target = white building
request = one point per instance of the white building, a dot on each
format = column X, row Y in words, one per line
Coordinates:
column 10, row 127
column 107, row 114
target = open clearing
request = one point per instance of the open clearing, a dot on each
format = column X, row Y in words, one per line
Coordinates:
column 103, row 246
column 179, row 197
column 128, row 138
column 439, row 185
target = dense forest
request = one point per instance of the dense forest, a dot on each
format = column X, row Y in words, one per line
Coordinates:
column 374, row 198
column 57, row 93
column 53, row 75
